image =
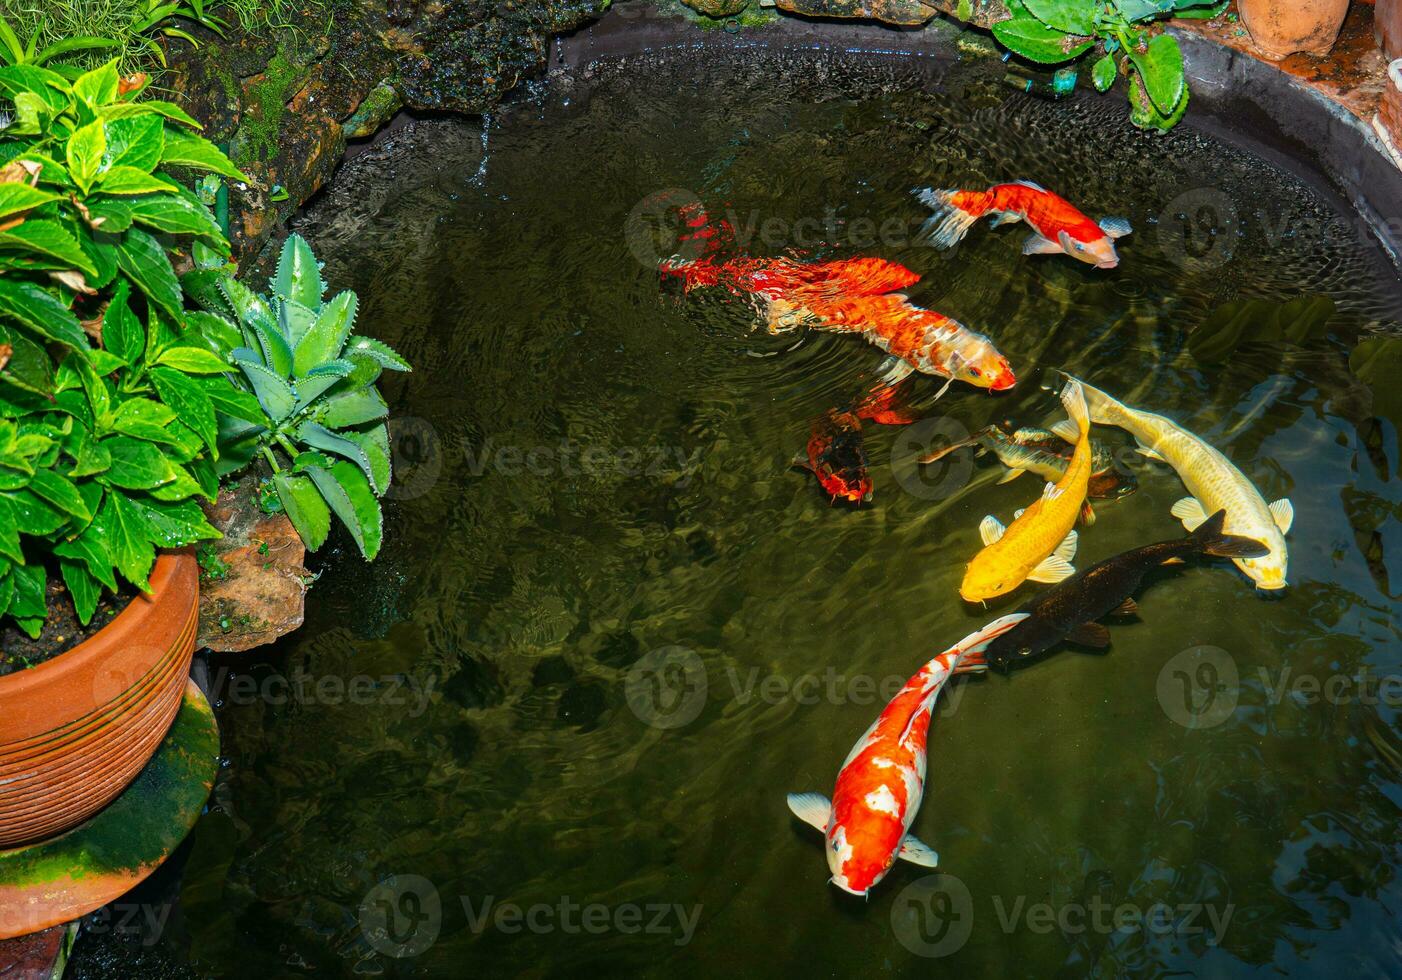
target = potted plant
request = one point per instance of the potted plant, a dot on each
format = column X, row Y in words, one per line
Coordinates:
column 108, row 436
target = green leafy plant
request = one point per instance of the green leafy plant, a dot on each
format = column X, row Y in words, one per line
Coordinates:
column 1121, row 38
column 309, row 410
column 108, row 431
column 15, row 52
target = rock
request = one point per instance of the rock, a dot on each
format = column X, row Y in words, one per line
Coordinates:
column 982, row 13
column 35, row 955
column 717, row 8
column 253, row 584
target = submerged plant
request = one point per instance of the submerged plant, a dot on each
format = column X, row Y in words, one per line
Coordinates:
column 1121, row 36
column 309, row 409
column 107, row 423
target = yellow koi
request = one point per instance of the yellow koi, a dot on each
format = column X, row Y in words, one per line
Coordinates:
column 1040, row 542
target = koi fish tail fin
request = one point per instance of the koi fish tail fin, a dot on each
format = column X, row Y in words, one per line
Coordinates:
column 1074, row 400
column 940, row 454
column 950, row 222
column 973, row 662
column 1104, row 410
column 1209, row 540
column 967, row 656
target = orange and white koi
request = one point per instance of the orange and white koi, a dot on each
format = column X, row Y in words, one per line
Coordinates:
column 867, row 823
column 1040, row 542
column 1057, row 225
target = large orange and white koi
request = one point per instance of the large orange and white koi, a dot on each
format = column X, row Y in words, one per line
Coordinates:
column 1057, row 225
column 867, row 824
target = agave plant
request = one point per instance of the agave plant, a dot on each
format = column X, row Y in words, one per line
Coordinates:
column 309, row 409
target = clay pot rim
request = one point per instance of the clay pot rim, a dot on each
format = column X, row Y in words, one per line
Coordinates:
column 130, row 622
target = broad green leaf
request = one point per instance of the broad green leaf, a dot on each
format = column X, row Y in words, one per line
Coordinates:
column 1138, row 10
column 99, row 86
column 181, row 488
column 125, row 110
column 305, row 508
column 50, row 87
column 60, row 491
column 175, row 215
column 202, row 469
column 235, row 403
column 90, row 549
column 193, row 360
column 248, row 307
column 175, row 524
column 129, row 180
column 48, row 238
column 31, row 592
column 144, row 418
column 188, row 150
column 1103, row 74
column 323, row 342
column 135, row 142
column 1196, row 10
column 82, row 587
column 122, row 333
column 101, row 248
column 1070, row 16
column 294, row 320
column 217, row 332
column 383, row 354
column 143, row 260
column 33, row 514
column 274, row 394
column 121, row 531
column 298, row 275
column 352, row 408
column 1161, row 68
column 41, row 312
column 1035, row 41
column 90, row 458
column 190, row 402
column 84, row 151
column 51, row 172
column 347, row 491
column 136, row 464
column 1144, row 114
column 202, row 286
column 9, row 531
column 16, row 196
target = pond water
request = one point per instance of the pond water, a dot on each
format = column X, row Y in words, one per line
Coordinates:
column 610, row 628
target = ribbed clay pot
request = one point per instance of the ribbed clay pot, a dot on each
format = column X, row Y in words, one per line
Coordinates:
column 77, row 729
column 1282, row 27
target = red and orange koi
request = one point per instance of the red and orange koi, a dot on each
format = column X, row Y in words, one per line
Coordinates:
column 1057, row 225
column 836, row 454
column 866, row 826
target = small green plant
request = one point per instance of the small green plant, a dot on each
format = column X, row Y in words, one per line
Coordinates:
column 108, row 431
column 1120, row 36
column 15, row 52
column 311, row 412
column 64, row 35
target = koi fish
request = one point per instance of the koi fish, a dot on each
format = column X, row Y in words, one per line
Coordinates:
column 1040, row 542
column 837, row 457
column 1046, row 453
column 915, row 339
column 878, row 791
column 836, row 454
column 1056, row 223
column 1069, row 611
column 1214, row 482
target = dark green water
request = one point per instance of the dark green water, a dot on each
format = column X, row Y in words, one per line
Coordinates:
column 519, row 591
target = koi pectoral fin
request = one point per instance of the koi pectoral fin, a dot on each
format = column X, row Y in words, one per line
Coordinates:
column 1051, row 570
column 916, row 851
column 813, row 809
column 1037, row 245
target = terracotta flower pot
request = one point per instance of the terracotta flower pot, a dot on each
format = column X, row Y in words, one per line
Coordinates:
column 1387, row 26
column 75, row 730
column 1283, row 27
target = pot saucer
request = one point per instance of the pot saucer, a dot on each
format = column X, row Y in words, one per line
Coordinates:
column 70, row 875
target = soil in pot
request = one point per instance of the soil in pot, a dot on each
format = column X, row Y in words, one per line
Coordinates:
column 62, row 631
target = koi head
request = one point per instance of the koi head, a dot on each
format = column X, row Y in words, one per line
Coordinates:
column 980, row 365
column 855, row 869
column 1099, row 252
column 1268, row 571
column 987, row 577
